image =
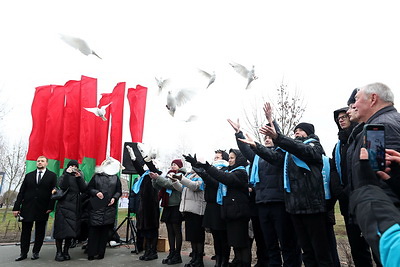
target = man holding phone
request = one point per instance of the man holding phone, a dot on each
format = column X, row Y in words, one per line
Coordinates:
column 375, row 105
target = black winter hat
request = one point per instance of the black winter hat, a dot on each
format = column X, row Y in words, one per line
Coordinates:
column 307, row 127
column 352, row 98
column 73, row 162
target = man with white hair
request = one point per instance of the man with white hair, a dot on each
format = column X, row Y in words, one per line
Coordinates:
column 375, row 105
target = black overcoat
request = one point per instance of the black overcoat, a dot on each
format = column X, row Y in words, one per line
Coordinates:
column 33, row 199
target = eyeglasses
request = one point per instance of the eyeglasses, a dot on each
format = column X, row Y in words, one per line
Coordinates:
column 343, row 117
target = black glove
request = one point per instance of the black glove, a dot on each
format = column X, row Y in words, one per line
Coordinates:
column 366, row 176
column 205, row 166
column 190, row 159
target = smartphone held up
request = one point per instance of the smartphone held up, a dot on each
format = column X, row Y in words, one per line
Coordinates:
column 374, row 142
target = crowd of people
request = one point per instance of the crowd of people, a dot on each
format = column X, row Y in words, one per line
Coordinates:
column 280, row 193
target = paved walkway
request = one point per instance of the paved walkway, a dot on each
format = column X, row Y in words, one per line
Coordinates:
column 118, row 256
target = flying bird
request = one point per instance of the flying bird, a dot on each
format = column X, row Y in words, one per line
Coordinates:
column 191, row 118
column 99, row 112
column 177, row 99
column 79, row 44
column 161, row 83
column 246, row 73
column 211, row 77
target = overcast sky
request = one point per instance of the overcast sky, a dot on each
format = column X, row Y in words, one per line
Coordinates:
column 324, row 49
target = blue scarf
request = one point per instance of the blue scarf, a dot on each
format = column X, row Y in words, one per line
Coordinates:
column 338, row 160
column 254, row 178
column 298, row 162
column 195, row 179
column 302, row 164
column 136, row 186
column 222, row 189
column 169, row 191
column 388, row 241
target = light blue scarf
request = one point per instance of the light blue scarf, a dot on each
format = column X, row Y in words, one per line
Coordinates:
column 254, row 178
column 195, row 179
column 136, row 186
column 298, row 162
column 222, row 189
column 389, row 240
column 302, row 164
column 338, row 160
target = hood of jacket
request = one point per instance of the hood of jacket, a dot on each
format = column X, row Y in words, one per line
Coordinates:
column 240, row 159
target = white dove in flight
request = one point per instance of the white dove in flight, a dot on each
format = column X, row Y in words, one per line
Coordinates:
column 248, row 74
column 178, row 99
column 161, row 83
column 99, row 112
column 211, row 77
column 79, row 44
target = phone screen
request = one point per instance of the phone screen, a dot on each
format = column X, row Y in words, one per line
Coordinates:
column 375, row 144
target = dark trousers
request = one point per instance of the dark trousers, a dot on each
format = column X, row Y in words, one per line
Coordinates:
column 40, row 231
column 333, row 245
column 313, row 239
column 360, row 250
column 221, row 247
column 261, row 252
column 279, row 235
column 97, row 239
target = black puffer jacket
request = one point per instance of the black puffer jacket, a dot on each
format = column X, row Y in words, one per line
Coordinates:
column 109, row 185
column 307, row 191
column 68, row 209
column 236, row 202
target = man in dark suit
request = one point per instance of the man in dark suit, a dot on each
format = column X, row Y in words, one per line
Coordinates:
column 34, row 204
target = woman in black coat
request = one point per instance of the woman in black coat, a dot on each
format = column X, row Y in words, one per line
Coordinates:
column 146, row 206
column 104, row 190
column 68, row 209
column 234, row 196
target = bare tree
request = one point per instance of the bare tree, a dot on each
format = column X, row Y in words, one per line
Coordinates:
column 288, row 110
column 255, row 118
column 13, row 164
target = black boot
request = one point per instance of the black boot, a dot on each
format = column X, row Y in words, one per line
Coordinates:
column 199, row 260
column 59, row 256
column 66, row 255
column 176, row 258
column 171, row 253
column 152, row 255
column 146, row 252
column 153, row 250
column 192, row 261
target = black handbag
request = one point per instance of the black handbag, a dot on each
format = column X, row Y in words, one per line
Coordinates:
column 59, row 194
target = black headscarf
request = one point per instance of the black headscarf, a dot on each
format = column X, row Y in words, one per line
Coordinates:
column 240, row 159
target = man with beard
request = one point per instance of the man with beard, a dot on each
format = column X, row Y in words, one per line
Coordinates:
column 33, row 204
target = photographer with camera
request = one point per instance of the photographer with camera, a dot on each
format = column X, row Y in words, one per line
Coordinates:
column 68, row 209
